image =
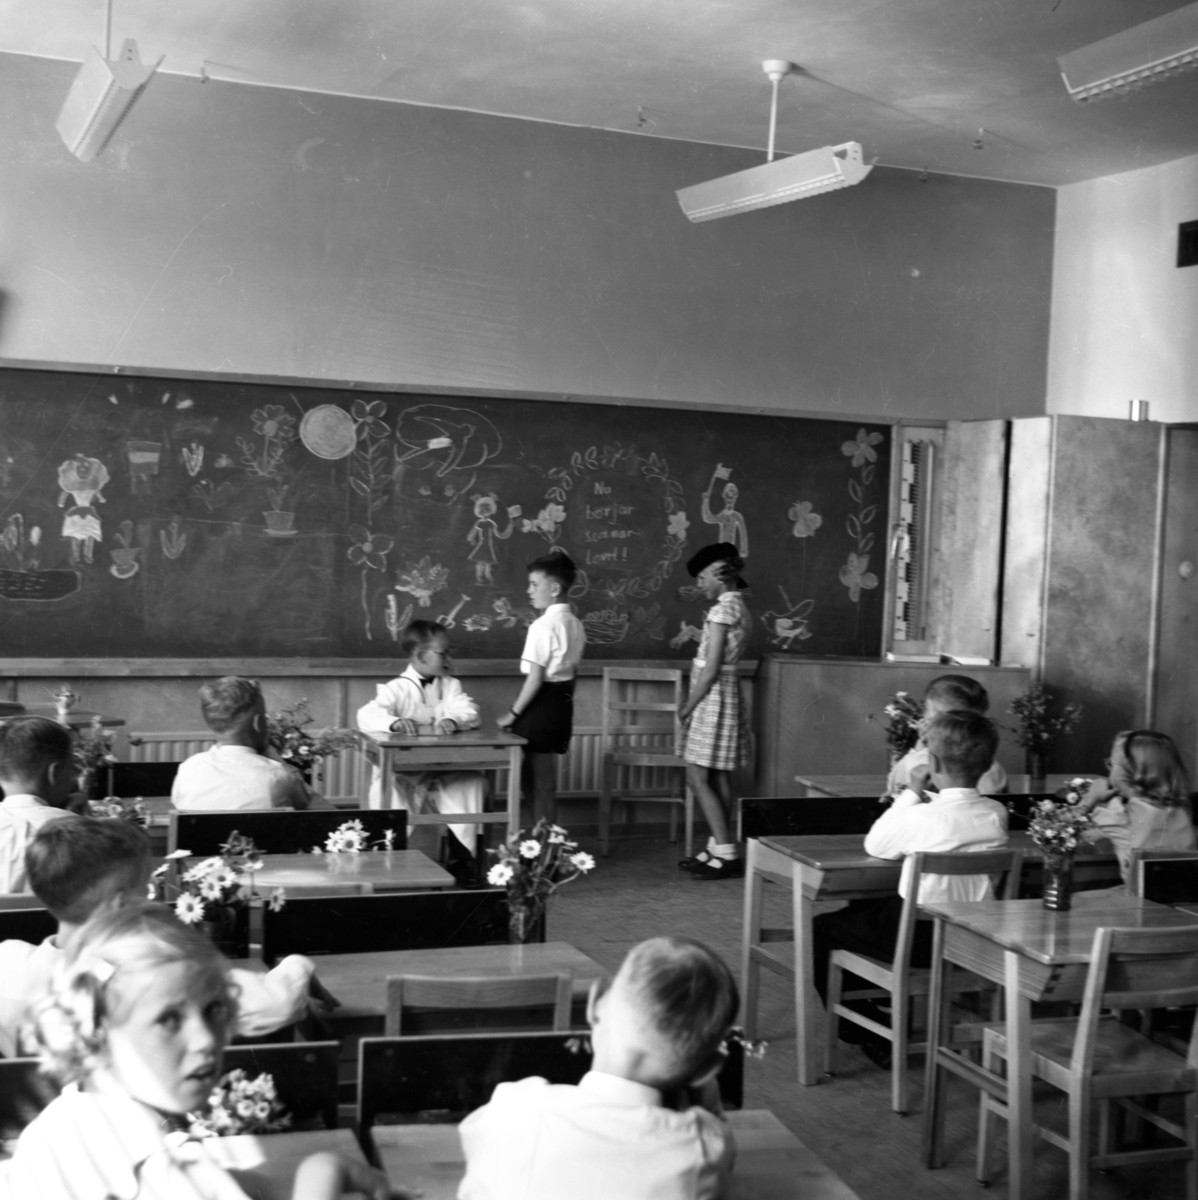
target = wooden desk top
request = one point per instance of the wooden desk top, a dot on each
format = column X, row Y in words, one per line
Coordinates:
column 445, row 741
column 274, row 1158
column 359, row 981
column 77, row 718
column 875, row 785
column 385, row 871
column 771, row 1163
column 1056, row 938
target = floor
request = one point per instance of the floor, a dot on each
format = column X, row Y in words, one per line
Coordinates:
column 638, row 892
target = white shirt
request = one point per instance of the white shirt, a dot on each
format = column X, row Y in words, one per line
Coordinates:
column 20, row 819
column 954, row 819
column 993, row 780
column 231, row 778
column 425, row 701
column 606, row 1139
column 266, row 1000
column 556, row 641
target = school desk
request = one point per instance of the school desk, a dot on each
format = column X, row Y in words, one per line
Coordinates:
column 1034, row 954
column 771, row 1163
column 378, row 870
column 822, row 867
column 274, row 1158
column 875, row 785
column 466, row 750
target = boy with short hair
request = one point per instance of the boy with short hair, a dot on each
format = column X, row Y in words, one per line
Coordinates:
column 657, row 1034
column 37, row 773
column 959, row 745
column 946, row 693
column 90, row 865
column 237, row 772
column 426, row 697
column 544, row 710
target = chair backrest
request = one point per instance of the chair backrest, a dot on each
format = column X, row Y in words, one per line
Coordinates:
column 437, row 1004
column 1166, row 876
column 639, row 701
column 129, row 779
column 792, row 816
column 386, row 921
column 24, row 1092
column 1008, row 863
column 281, row 831
column 304, row 1074
column 446, row 1077
column 1137, row 969
column 26, row 925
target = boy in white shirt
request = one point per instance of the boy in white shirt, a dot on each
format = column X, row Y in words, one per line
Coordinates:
column 645, row 1123
column 38, row 777
column 960, row 746
column 86, row 866
column 944, row 694
column 544, row 710
column 238, row 772
column 426, row 698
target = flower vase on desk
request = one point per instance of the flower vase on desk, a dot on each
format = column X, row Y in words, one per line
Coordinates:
column 1036, row 766
column 1058, row 882
column 523, row 921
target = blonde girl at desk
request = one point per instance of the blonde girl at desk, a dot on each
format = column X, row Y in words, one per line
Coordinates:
column 715, row 730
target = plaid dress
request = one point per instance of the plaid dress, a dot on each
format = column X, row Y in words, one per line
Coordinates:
column 717, row 734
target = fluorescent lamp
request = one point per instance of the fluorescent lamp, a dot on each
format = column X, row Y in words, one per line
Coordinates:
column 809, row 174
column 100, row 99
column 1146, row 53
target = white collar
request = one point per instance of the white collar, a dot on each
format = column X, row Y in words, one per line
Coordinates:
column 561, row 605
column 23, row 800
column 955, row 795
column 619, row 1090
column 413, row 676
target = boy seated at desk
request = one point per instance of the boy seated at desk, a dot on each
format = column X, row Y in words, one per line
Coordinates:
column 37, row 774
column 237, row 772
column 645, row 1123
column 956, row 817
column 947, row 693
column 85, row 866
column 427, row 699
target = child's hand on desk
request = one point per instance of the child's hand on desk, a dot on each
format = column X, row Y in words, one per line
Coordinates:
column 507, row 720
column 447, row 725
column 405, row 725
column 324, row 1175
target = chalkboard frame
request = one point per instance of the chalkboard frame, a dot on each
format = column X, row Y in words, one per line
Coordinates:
column 132, row 666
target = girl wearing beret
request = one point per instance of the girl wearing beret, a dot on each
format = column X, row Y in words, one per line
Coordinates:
column 715, row 730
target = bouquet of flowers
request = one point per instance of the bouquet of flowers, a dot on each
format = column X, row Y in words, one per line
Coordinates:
column 903, row 716
column 287, row 731
column 239, row 1104
column 91, row 749
column 116, row 809
column 352, row 838
column 1058, row 827
column 1038, row 730
column 533, row 866
column 213, row 885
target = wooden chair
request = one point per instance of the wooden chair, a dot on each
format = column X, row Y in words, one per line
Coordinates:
column 304, row 1073
column 640, row 731
column 791, row 816
column 387, row 921
column 439, row 1004
column 1097, row 1061
column 1166, row 876
column 32, row 925
column 126, row 780
column 281, row 831
column 898, row 979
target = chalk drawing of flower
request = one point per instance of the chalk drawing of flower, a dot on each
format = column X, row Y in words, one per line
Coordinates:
column 369, row 549
column 805, row 521
column 677, row 526
column 855, row 576
column 423, row 580
column 274, row 422
column 861, row 448
column 545, row 522
column 368, row 416
column 477, row 622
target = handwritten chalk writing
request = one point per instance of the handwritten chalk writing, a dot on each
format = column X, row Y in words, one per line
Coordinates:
column 603, row 535
column 601, row 489
column 594, row 557
column 608, row 512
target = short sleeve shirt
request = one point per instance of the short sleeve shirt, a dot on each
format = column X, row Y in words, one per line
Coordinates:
column 556, row 641
column 729, row 610
column 232, row 778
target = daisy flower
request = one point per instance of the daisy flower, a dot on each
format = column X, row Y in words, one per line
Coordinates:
column 499, row 874
column 530, row 848
column 278, row 898
column 582, row 860
column 189, row 909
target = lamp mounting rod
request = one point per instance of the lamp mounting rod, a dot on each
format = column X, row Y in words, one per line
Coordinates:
column 776, row 69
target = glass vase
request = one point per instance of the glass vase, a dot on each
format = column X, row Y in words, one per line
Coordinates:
column 1036, row 765
column 522, row 921
column 1058, row 882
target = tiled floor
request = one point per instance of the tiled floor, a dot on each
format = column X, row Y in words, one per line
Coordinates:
column 639, row 893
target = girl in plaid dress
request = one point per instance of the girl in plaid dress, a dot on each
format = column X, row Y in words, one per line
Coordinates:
column 715, row 732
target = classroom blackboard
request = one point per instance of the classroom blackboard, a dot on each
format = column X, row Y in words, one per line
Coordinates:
column 151, row 517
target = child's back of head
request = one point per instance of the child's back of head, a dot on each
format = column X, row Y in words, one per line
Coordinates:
column 965, row 742
column 29, row 747
column 230, row 704
column 1146, row 763
column 948, row 692
column 76, row 867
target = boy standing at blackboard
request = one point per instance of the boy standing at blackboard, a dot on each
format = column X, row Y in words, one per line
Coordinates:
column 544, row 710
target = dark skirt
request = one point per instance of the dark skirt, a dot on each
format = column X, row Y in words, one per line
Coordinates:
column 548, row 721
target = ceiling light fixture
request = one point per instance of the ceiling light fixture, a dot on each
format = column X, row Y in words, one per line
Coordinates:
column 1147, row 53
column 794, row 178
column 102, row 94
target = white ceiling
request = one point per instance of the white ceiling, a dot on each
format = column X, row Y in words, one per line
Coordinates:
column 912, row 80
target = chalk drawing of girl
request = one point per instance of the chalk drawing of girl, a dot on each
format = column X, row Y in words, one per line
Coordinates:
column 483, row 533
column 82, row 479
column 731, row 523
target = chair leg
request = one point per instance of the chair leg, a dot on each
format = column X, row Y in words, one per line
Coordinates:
column 690, row 820
column 986, row 1114
column 1191, row 1118
column 605, row 809
column 674, row 823
column 832, row 1026
column 900, row 1015
column 1080, row 1125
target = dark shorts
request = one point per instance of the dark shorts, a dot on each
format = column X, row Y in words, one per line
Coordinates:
column 548, row 721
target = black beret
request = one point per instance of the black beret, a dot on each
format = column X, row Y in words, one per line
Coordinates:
column 717, row 552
